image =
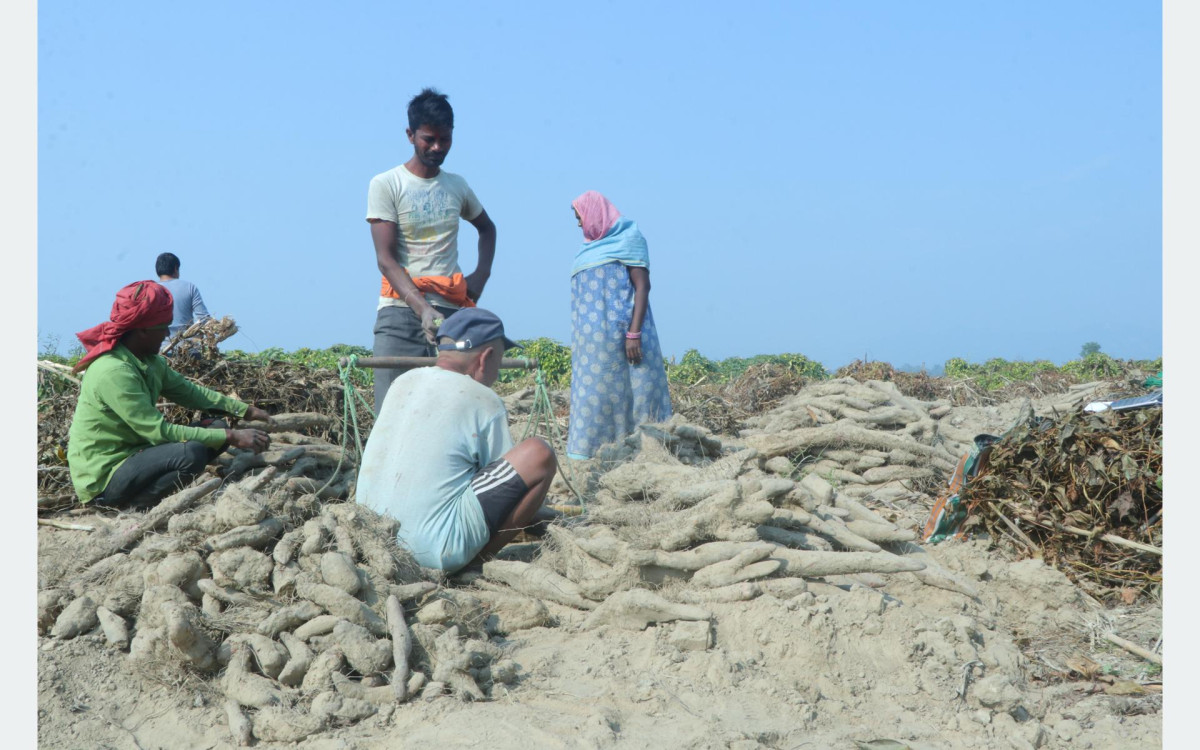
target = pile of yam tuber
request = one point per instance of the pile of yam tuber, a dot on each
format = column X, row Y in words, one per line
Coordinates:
column 291, row 598
column 297, row 605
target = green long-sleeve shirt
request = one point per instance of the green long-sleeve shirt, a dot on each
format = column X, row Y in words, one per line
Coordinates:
column 116, row 415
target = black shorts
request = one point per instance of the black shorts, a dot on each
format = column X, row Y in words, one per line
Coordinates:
column 499, row 488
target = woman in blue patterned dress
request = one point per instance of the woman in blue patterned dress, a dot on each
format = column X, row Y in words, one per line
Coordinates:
column 617, row 376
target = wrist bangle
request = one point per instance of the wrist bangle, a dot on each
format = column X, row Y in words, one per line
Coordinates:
column 410, row 291
column 633, row 334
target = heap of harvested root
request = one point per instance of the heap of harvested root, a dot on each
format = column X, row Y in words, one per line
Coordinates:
column 1083, row 491
column 678, row 516
column 725, row 408
column 296, row 606
column 293, row 603
column 679, row 520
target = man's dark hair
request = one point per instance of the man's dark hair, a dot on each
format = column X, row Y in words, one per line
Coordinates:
column 430, row 108
column 167, row 265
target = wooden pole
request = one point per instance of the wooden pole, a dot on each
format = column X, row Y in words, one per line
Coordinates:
column 389, row 363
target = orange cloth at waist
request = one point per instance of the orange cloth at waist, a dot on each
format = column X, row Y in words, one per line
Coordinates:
column 452, row 288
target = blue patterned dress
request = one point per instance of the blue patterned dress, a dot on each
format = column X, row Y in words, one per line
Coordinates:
column 609, row 396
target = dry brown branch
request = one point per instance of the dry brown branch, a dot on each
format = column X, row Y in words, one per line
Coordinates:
column 62, row 371
column 1082, row 491
column 1114, row 539
column 1133, row 648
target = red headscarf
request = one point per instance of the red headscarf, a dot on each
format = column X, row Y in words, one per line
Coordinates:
column 597, row 213
column 142, row 304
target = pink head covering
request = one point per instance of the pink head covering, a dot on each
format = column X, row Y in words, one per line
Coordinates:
column 598, row 214
column 142, row 304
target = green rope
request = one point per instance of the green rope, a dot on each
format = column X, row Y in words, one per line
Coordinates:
column 541, row 414
column 349, row 414
column 349, row 402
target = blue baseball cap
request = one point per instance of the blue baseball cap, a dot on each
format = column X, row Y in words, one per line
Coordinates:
column 471, row 327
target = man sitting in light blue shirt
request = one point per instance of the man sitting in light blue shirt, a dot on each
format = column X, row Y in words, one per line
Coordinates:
column 440, row 458
column 189, row 307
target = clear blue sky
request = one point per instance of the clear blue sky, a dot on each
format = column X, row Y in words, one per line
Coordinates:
column 907, row 181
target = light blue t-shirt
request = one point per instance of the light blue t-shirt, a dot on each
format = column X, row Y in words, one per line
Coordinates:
column 188, row 306
column 436, row 430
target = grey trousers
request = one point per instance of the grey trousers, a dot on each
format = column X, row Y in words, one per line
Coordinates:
column 159, row 470
column 398, row 334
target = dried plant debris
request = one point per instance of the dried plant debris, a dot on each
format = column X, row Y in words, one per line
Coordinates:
column 1083, row 491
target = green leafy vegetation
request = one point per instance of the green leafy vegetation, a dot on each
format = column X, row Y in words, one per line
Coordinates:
column 49, row 352
column 996, row 373
column 694, row 368
column 1098, row 366
column 553, row 358
column 734, row 367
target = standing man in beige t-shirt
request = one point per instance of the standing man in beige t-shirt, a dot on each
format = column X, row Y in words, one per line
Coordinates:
column 414, row 212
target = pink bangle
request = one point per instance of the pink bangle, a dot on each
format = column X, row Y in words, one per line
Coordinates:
column 633, row 334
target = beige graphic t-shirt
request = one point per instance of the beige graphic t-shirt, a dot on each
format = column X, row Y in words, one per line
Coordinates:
column 427, row 213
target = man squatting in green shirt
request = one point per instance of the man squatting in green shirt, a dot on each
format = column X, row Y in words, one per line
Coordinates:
column 121, row 450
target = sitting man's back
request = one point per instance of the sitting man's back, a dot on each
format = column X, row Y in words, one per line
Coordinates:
column 441, row 460
column 436, row 430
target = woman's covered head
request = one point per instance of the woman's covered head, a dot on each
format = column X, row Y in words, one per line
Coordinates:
column 596, row 214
